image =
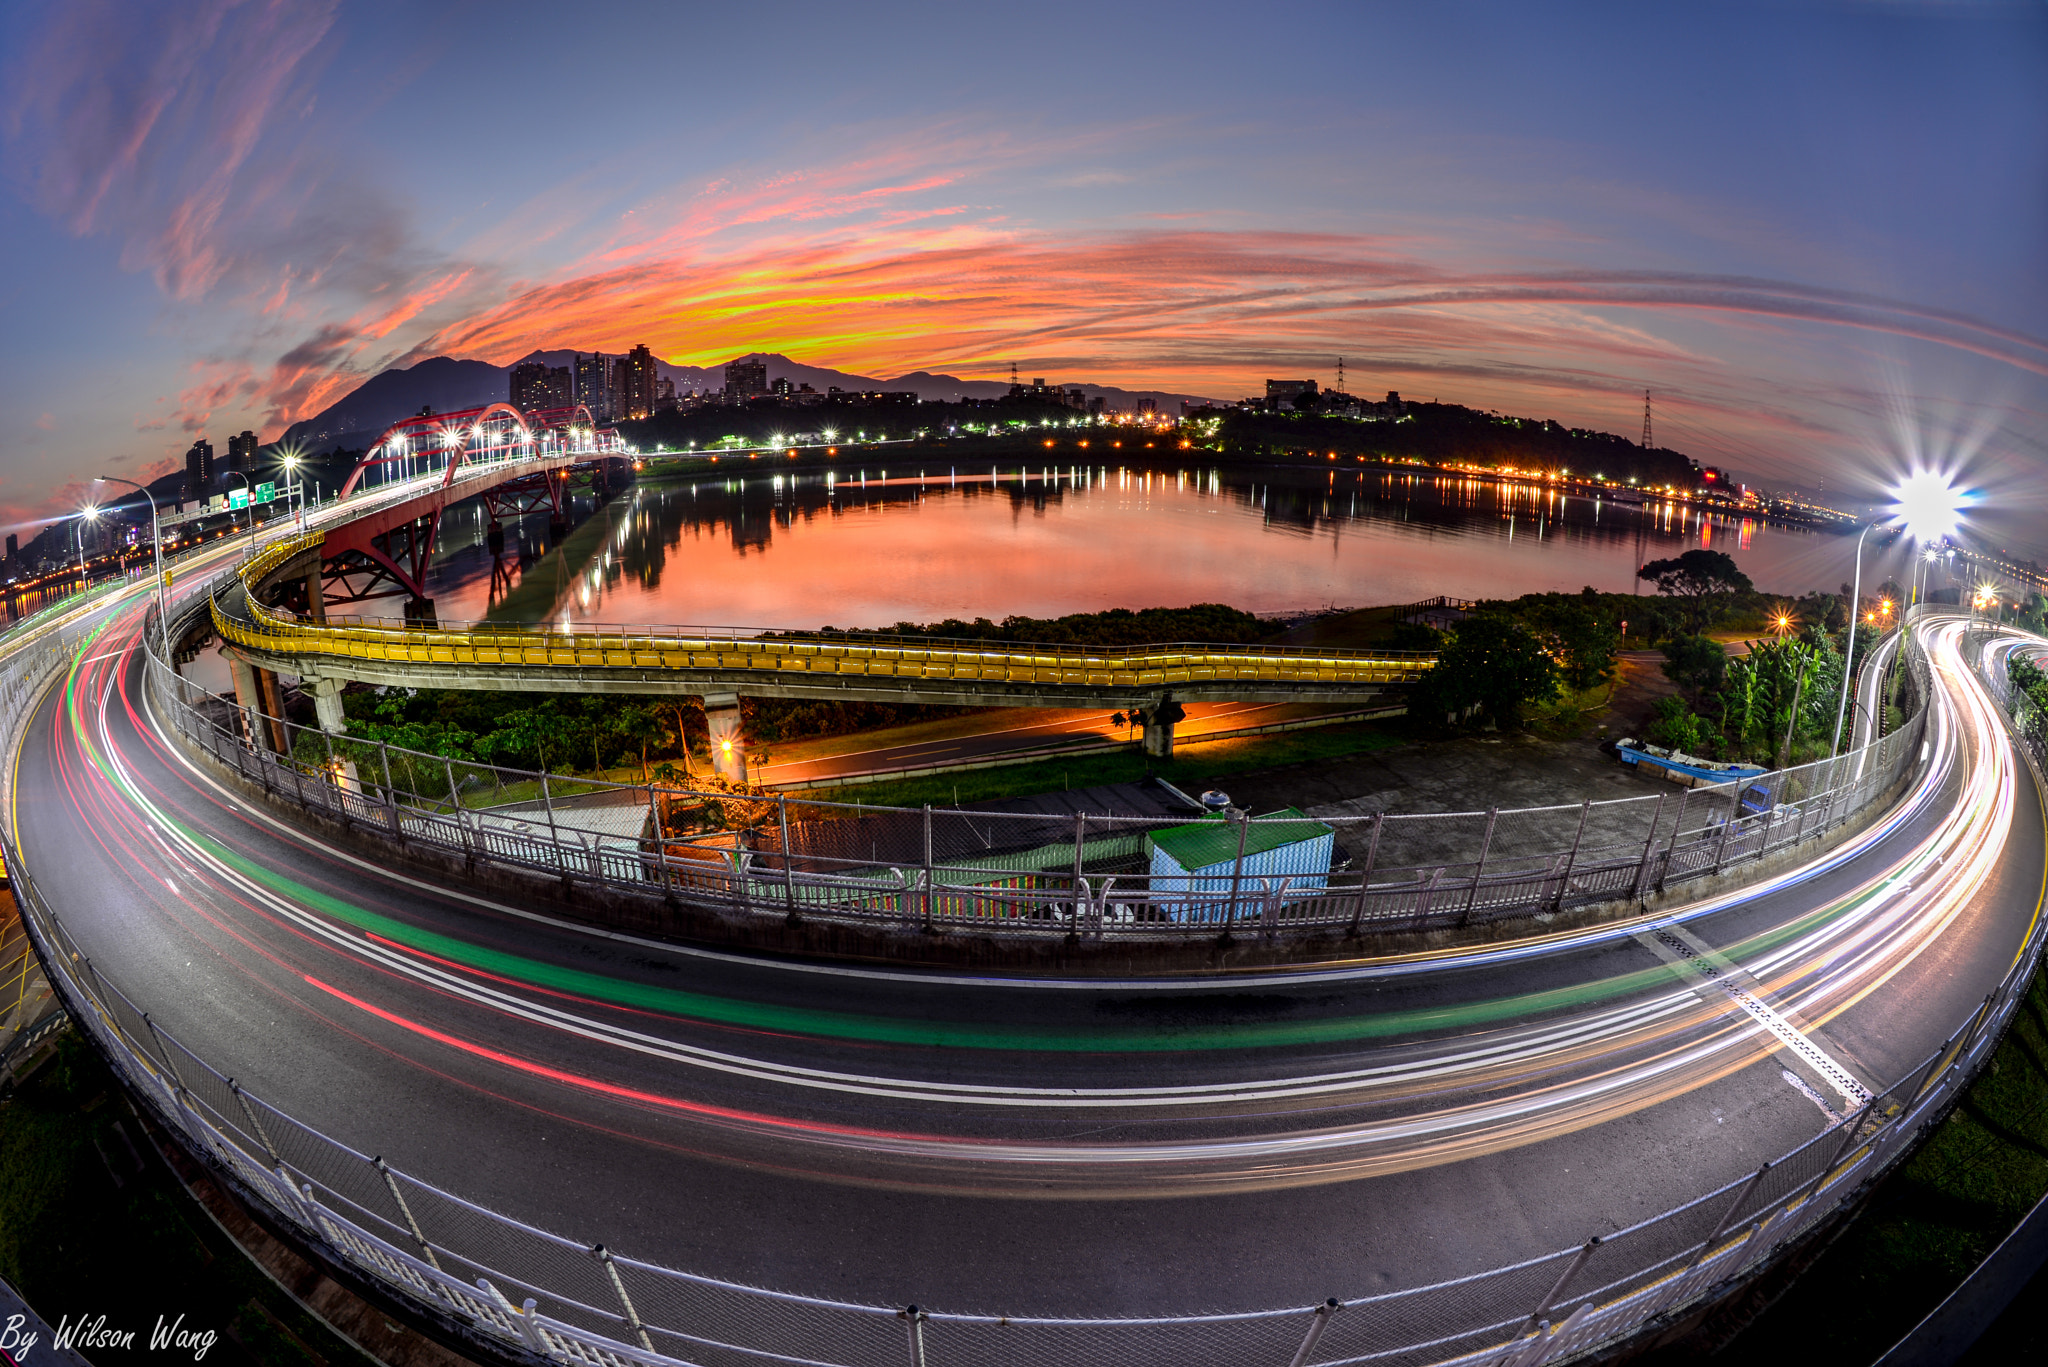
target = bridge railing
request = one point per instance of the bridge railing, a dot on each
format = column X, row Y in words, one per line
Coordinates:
column 1338, row 873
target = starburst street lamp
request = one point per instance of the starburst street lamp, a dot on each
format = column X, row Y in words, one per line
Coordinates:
column 156, row 542
column 88, row 513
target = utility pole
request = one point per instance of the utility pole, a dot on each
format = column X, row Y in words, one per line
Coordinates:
column 1646, row 419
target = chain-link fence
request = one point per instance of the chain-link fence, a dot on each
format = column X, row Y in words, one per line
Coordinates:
column 1104, row 877
column 584, row 1303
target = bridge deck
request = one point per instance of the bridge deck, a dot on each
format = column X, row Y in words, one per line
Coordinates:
column 697, row 660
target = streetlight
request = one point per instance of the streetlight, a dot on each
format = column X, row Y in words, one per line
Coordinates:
column 156, row 543
column 88, row 513
column 1849, row 653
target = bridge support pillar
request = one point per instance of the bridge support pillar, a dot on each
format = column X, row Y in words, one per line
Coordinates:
column 256, row 694
column 327, row 704
column 728, row 747
column 1159, row 721
column 316, row 596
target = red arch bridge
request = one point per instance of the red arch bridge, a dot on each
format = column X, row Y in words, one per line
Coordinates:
column 518, row 462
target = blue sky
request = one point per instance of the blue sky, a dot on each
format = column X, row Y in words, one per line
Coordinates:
column 1816, row 231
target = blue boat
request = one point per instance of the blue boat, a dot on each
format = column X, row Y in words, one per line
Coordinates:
column 1680, row 767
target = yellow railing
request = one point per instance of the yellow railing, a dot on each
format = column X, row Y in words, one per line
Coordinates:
column 704, row 650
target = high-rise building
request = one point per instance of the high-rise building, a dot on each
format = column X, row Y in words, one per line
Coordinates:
column 594, row 385
column 242, row 452
column 536, row 387
column 745, row 380
column 13, row 550
column 198, row 468
column 664, row 394
column 637, row 393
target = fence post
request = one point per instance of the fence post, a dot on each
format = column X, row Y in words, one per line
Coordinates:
column 604, row 1256
column 390, row 792
column 427, row 1249
column 1564, row 879
column 1372, row 852
column 1428, row 895
column 1677, row 825
column 1643, row 861
column 1729, row 1216
column 1319, row 1322
column 1728, row 824
column 927, row 866
column 256, row 1124
column 334, row 780
column 1557, row 1288
column 1244, row 825
column 1080, row 884
column 547, row 803
column 914, row 1319
column 788, row 874
column 1485, row 846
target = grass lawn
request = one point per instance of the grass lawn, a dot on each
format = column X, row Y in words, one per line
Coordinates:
column 1933, row 1220
column 74, row 1241
column 1190, row 770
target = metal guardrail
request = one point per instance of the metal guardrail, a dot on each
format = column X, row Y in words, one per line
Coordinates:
column 1009, row 874
column 587, row 1304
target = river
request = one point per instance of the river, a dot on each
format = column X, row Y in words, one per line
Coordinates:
column 907, row 541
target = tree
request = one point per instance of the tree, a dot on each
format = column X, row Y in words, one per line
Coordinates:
column 1702, row 581
column 1695, row 662
column 1583, row 641
column 1493, row 663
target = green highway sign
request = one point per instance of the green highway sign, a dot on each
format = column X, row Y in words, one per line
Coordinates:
column 266, row 493
column 238, row 498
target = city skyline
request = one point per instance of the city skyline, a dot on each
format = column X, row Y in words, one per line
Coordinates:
column 1813, row 233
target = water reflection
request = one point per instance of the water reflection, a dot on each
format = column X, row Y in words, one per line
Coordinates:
column 870, row 546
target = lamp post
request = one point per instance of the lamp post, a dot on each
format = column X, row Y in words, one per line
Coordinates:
column 1849, row 653
column 156, row 543
column 85, row 514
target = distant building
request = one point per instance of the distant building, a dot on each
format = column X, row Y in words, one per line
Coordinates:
column 1281, row 394
column 745, row 380
column 12, row 549
column 664, row 394
column 242, row 452
column 536, row 387
column 1148, row 408
column 594, row 385
column 637, row 390
column 198, row 468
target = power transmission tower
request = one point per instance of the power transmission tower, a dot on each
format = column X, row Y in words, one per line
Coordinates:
column 1646, row 419
column 1340, row 374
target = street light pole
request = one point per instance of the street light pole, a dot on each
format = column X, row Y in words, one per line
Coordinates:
column 156, row 543
column 78, row 540
column 252, row 505
column 1849, row 653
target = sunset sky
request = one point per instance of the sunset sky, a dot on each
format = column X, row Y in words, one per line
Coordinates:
column 1819, row 232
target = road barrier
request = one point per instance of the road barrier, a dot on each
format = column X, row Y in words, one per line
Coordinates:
column 1005, row 874
column 573, row 1300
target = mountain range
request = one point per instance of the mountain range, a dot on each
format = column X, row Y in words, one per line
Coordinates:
column 448, row 385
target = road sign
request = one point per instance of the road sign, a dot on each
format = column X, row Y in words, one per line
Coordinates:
column 238, row 498
column 266, row 493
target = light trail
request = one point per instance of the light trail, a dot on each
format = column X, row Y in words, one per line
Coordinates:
column 1819, row 963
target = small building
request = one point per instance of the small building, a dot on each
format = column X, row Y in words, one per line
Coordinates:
column 1201, row 859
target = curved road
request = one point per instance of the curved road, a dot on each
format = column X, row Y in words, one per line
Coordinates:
column 1030, row 1147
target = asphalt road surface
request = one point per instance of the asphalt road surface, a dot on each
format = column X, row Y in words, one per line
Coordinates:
column 975, row 1143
